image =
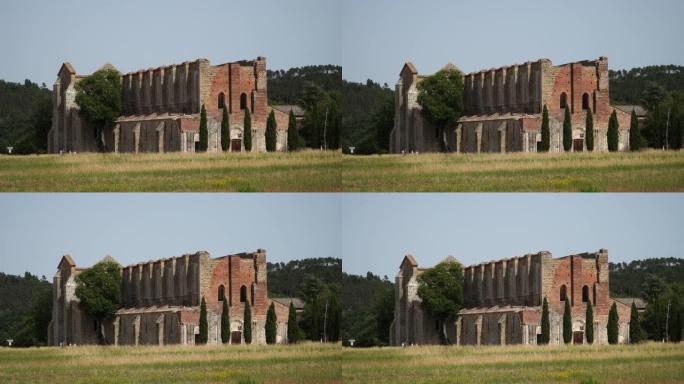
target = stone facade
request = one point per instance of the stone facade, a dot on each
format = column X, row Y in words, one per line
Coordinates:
column 161, row 109
column 161, row 301
column 502, row 109
column 502, row 301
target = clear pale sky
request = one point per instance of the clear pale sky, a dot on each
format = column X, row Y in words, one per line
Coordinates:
column 379, row 36
column 379, row 229
column 38, row 35
column 37, row 229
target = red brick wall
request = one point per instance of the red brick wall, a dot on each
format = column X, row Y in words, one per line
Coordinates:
column 578, row 271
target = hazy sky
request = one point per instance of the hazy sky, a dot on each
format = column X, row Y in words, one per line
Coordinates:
column 38, row 35
column 37, row 229
column 379, row 36
column 379, row 229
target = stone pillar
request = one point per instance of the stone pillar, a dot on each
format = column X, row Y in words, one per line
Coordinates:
column 157, row 271
column 136, row 330
column 117, row 321
column 502, row 330
column 147, row 284
column 525, row 334
column 137, row 90
column 478, row 329
column 136, row 137
column 184, row 334
column 499, row 79
column 117, row 137
column 169, row 294
column 160, row 329
column 160, row 137
column 459, row 137
column 511, row 78
column 499, row 271
column 502, row 137
column 525, row 141
column 137, row 296
column 478, row 89
column 511, row 294
column 477, row 282
column 459, row 325
column 478, row 137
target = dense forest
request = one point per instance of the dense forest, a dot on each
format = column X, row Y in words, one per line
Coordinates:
column 367, row 117
column 627, row 279
column 25, row 117
column 368, row 309
column 287, row 86
column 629, row 87
column 25, row 309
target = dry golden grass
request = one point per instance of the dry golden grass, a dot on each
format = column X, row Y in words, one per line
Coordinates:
column 644, row 363
column 303, row 363
column 571, row 172
column 217, row 172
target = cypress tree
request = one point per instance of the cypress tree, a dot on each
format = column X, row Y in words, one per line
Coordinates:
column 271, row 135
column 567, row 131
column 225, row 131
column 613, row 327
column 545, row 326
column 292, row 133
column 545, row 134
column 225, row 323
column 203, row 328
column 293, row 331
column 203, row 134
column 634, row 133
column 613, row 137
column 271, row 325
column 589, row 323
column 634, row 327
column 567, row 322
column 247, row 131
column 247, row 326
column 589, row 130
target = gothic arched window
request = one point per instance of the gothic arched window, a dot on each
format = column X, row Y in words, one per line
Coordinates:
column 243, row 294
column 563, row 293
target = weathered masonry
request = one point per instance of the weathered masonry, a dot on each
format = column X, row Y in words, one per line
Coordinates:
column 161, row 301
column 502, row 301
column 503, row 109
column 161, row 109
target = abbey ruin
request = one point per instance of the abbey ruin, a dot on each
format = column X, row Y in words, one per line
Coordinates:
column 502, row 109
column 161, row 301
column 161, row 109
column 502, row 301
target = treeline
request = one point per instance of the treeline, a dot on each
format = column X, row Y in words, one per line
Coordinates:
column 627, row 279
column 25, row 309
column 368, row 309
column 318, row 282
column 25, row 117
column 368, row 117
column 660, row 89
column 317, row 89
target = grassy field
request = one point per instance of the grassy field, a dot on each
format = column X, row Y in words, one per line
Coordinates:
column 306, row 363
column 307, row 171
column 645, row 363
column 572, row 172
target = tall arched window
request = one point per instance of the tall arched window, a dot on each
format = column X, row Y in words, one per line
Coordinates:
column 243, row 294
column 585, row 101
column 563, row 293
column 563, row 100
column 243, row 101
column 585, row 294
column 221, row 100
column 221, row 293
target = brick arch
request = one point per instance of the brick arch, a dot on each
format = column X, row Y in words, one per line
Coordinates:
column 563, row 294
column 243, row 101
column 243, row 294
column 221, row 293
column 585, row 101
column 221, row 100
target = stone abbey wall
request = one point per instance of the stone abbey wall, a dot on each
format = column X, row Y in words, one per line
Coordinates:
column 161, row 301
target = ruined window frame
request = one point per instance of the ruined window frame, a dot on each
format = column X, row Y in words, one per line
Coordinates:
column 243, row 294
column 221, row 293
column 221, row 100
column 585, row 101
column 585, row 294
column 243, row 101
column 563, row 100
column 563, row 293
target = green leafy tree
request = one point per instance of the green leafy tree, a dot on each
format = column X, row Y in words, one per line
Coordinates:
column 247, row 131
column 567, row 131
column 613, row 134
column 634, row 326
column 247, row 327
column 225, row 130
column 99, row 98
column 225, row 322
column 590, row 130
column 313, row 100
column 634, row 133
column 545, row 325
column 589, row 326
column 99, row 290
column 271, row 325
column 441, row 290
column 203, row 327
column 293, row 139
column 294, row 334
column 271, row 134
column 545, row 133
column 613, row 326
column 203, row 133
column 567, row 323
column 441, row 96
